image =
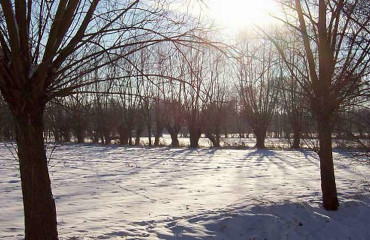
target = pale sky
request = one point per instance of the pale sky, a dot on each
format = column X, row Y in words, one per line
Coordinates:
column 238, row 14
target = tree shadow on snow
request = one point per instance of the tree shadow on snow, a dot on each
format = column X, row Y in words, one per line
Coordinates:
column 284, row 221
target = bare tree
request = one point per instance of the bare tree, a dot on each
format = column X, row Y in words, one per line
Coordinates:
column 258, row 79
column 293, row 95
column 334, row 35
column 46, row 46
column 214, row 110
column 174, row 118
column 170, row 93
column 195, row 73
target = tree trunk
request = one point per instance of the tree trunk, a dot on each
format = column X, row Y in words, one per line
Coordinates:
column 174, row 140
column 260, row 137
column 174, row 131
column 296, row 139
column 80, row 137
column 123, row 134
column 138, row 135
column 328, row 186
column 38, row 201
column 158, row 134
column 150, row 134
column 107, row 138
column 130, row 137
column 56, row 136
column 95, row 136
column 66, row 136
column 194, row 137
column 217, row 142
column 215, row 139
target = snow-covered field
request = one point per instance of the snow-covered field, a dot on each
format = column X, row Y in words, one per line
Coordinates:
column 161, row 193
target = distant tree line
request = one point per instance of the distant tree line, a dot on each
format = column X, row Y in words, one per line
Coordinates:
column 121, row 70
column 208, row 96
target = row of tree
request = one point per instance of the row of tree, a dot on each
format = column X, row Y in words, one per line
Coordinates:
column 103, row 118
column 122, row 59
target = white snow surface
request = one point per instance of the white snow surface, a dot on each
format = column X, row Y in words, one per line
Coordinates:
column 111, row 192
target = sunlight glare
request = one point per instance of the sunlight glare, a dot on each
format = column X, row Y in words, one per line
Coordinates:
column 239, row 14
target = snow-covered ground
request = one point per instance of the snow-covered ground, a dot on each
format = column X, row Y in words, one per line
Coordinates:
column 161, row 193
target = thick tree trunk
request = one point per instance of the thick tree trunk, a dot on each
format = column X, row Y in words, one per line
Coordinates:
column 65, row 136
column 214, row 139
column 95, row 136
column 328, row 186
column 56, row 136
column 194, row 136
column 150, row 134
column 123, row 135
column 38, row 201
column 174, row 140
column 156, row 140
column 260, row 137
column 217, row 142
column 158, row 135
column 296, row 139
column 174, row 131
column 130, row 137
column 138, row 135
column 80, row 137
column 107, row 138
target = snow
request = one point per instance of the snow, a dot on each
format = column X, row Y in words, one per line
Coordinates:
column 111, row 192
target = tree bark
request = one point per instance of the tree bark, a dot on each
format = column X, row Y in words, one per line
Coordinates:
column 130, row 137
column 174, row 131
column 95, row 137
column 174, row 140
column 158, row 135
column 106, row 137
column 214, row 138
column 150, row 134
column 56, row 136
column 138, row 135
column 66, row 136
column 328, row 186
column 296, row 139
column 80, row 137
column 123, row 134
column 195, row 134
column 260, row 137
column 38, row 201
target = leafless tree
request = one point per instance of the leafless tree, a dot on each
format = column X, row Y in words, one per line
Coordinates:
column 214, row 110
column 46, row 46
column 293, row 96
column 193, row 92
column 258, row 76
column 334, row 35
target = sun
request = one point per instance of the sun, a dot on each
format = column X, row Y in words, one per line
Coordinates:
column 238, row 14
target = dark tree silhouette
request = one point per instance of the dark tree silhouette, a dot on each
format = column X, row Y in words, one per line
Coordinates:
column 45, row 49
column 333, row 34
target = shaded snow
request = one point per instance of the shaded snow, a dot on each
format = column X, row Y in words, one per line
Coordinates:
column 139, row 193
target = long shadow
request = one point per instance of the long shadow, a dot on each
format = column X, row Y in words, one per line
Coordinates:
column 272, row 157
column 284, row 221
column 260, row 154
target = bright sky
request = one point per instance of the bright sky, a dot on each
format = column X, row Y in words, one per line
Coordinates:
column 238, row 14
column 233, row 16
